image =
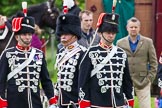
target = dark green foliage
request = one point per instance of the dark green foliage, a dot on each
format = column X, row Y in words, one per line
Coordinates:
column 10, row 7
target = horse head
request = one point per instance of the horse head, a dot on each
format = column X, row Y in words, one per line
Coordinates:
column 49, row 18
column 45, row 14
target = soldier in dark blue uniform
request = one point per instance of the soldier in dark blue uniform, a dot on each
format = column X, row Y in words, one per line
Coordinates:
column 68, row 60
column 104, row 80
column 22, row 69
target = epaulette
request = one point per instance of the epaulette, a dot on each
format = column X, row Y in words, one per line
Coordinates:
column 160, row 59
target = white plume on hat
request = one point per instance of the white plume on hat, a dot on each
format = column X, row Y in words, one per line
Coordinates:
column 68, row 3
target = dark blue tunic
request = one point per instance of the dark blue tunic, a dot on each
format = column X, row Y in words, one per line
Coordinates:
column 110, row 84
column 23, row 89
column 68, row 71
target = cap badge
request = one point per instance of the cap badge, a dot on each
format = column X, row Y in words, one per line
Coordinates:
column 113, row 17
column 27, row 21
column 70, row 47
column 63, row 18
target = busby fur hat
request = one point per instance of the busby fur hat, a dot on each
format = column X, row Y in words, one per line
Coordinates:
column 22, row 25
column 108, row 23
column 68, row 24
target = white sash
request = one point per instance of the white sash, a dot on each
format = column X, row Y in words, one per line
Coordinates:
column 67, row 56
column 107, row 58
column 21, row 66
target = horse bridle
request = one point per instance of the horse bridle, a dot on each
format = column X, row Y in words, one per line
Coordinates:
column 49, row 10
column 12, row 35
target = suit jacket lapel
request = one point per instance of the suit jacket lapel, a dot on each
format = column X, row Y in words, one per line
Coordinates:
column 127, row 44
column 139, row 45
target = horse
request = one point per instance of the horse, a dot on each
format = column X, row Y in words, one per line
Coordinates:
column 45, row 15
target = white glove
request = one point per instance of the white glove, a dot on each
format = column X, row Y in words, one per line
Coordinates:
column 3, row 19
column 127, row 106
column 53, row 106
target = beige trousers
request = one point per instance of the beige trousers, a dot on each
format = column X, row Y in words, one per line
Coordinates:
column 144, row 96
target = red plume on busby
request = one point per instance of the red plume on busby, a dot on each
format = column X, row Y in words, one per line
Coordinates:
column 23, row 24
column 99, row 22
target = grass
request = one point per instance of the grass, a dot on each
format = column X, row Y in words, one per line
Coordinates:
column 51, row 57
column 152, row 102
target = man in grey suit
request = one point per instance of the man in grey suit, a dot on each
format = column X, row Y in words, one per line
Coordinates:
column 142, row 61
